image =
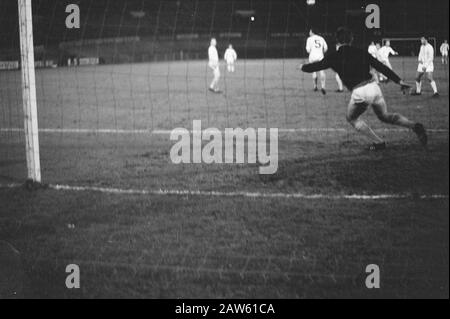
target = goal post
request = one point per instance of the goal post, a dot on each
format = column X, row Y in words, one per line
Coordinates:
column 409, row 46
column 29, row 91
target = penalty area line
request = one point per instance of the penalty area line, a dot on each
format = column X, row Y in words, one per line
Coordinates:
column 242, row 194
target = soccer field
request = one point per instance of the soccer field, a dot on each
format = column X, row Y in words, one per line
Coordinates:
column 140, row 226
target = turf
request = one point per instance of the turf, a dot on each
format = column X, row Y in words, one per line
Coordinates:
column 201, row 246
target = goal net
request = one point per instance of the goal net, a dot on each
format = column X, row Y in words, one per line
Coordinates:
column 409, row 47
column 116, row 77
column 92, row 117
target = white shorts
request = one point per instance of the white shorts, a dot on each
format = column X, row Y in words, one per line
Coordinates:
column 445, row 54
column 429, row 68
column 313, row 59
column 368, row 94
column 216, row 70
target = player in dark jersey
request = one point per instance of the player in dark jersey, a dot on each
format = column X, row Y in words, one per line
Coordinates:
column 354, row 68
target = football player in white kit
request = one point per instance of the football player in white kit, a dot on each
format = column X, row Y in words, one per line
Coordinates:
column 444, row 52
column 316, row 46
column 384, row 54
column 214, row 65
column 378, row 47
column 373, row 50
column 230, row 57
column 426, row 66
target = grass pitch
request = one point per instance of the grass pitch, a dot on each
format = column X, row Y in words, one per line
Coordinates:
column 195, row 245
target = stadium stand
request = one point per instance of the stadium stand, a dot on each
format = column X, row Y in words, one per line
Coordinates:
column 172, row 30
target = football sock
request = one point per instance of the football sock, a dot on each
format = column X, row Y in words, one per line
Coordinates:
column 418, row 87
column 434, row 86
column 339, row 81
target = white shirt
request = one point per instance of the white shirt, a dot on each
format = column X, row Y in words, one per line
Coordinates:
column 373, row 51
column 385, row 52
column 444, row 49
column 316, row 46
column 426, row 55
column 213, row 57
column 230, row 55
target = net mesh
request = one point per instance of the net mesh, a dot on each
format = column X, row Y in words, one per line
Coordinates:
column 110, row 92
column 136, row 68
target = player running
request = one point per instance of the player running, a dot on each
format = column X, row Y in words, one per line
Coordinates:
column 426, row 66
column 214, row 65
column 384, row 54
column 231, row 58
column 353, row 65
column 316, row 46
column 444, row 52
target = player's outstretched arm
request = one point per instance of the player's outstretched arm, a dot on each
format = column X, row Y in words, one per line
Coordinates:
column 393, row 52
column 380, row 67
column 315, row 67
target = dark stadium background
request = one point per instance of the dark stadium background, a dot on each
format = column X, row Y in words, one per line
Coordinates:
column 165, row 32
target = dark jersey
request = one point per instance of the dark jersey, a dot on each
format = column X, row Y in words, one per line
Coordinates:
column 353, row 66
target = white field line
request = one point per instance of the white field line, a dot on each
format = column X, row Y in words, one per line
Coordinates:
column 255, row 195
column 168, row 132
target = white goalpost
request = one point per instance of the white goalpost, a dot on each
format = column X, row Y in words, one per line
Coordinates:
column 29, row 91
